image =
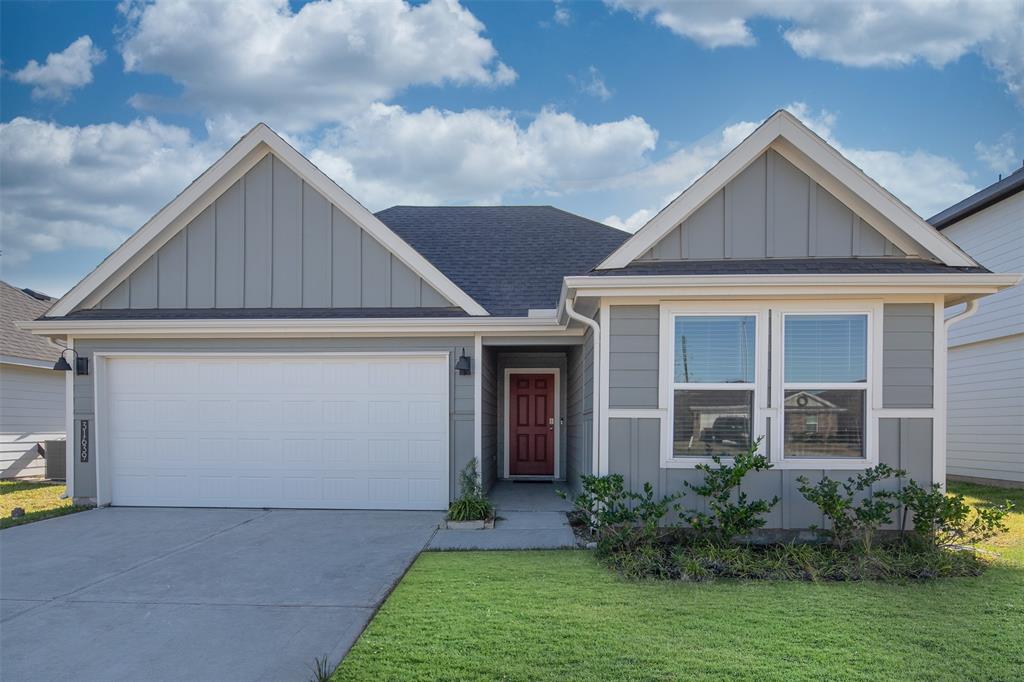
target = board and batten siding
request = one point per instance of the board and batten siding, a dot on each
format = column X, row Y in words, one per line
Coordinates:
column 985, row 399
column 634, row 443
column 461, row 426
column 489, row 417
column 272, row 241
column 580, row 417
column 771, row 210
column 31, row 411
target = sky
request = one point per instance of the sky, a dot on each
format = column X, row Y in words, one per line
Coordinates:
column 607, row 109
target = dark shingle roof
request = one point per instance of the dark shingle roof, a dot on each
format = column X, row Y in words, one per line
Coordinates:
column 980, row 200
column 18, row 306
column 259, row 313
column 788, row 266
column 507, row 258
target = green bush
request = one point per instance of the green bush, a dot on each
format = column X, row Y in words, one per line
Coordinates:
column 941, row 519
column 854, row 513
column 731, row 513
column 611, row 513
column 472, row 504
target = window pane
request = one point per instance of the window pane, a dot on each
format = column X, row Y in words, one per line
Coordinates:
column 824, row 424
column 826, row 348
column 714, row 350
column 712, row 422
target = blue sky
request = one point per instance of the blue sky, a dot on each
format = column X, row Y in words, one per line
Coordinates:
column 605, row 109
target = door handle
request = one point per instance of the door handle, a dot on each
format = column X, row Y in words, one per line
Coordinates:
column 551, row 423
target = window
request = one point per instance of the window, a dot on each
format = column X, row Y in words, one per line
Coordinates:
column 714, row 364
column 825, row 386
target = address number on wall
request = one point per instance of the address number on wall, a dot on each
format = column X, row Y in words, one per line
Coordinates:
column 83, row 440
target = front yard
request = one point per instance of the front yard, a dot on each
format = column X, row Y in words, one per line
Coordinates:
column 40, row 500
column 559, row 615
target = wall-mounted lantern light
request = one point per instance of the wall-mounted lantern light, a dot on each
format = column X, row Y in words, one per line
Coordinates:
column 463, row 365
column 81, row 364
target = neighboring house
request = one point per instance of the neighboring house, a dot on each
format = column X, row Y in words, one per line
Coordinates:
column 265, row 341
column 986, row 351
column 31, row 393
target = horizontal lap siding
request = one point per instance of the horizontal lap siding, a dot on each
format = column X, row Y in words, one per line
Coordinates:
column 271, row 240
column 460, row 388
column 633, row 356
column 908, row 355
column 31, row 411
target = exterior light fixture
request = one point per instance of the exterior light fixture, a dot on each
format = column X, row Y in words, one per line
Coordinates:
column 464, row 365
column 81, row 364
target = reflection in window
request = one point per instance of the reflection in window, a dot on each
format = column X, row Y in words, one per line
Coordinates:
column 824, row 423
column 826, row 348
column 714, row 349
column 712, row 422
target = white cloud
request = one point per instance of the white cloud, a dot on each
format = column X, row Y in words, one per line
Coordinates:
column 562, row 15
column 873, row 33
column 1000, row 156
column 88, row 186
column 62, row 72
column 389, row 155
column 592, row 83
column 296, row 70
column 926, row 182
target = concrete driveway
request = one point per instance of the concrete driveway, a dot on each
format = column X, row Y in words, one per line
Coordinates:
column 195, row 594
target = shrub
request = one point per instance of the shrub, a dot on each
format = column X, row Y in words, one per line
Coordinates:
column 612, row 513
column 946, row 520
column 731, row 512
column 852, row 510
column 471, row 504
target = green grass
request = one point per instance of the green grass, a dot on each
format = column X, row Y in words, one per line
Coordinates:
column 39, row 500
column 560, row 616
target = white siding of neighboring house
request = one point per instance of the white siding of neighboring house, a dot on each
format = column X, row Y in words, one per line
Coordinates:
column 986, row 354
column 31, row 411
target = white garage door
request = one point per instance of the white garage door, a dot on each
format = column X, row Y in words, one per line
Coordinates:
column 341, row 432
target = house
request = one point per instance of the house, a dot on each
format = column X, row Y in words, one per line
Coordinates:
column 986, row 351
column 266, row 341
column 32, row 407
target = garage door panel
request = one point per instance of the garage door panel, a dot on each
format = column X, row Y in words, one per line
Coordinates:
column 338, row 432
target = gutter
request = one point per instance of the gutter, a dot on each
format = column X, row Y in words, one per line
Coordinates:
column 972, row 307
column 596, row 392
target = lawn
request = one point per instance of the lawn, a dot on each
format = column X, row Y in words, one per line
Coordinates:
column 39, row 500
column 559, row 615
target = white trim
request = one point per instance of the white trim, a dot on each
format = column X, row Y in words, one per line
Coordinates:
column 601, row 465
column 635, row 413
column 248, row 151
column 478, row 405
column 788, row 135
column 71, row 440
column 98, row 370
column 939, row 387
column 597, row 379
column 29, row 362
column 509, row 371
column 208, row 328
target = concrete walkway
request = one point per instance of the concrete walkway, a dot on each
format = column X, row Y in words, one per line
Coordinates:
column 196, row 594
column 528, row 516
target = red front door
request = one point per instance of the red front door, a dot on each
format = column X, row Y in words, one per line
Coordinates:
column 531, row 418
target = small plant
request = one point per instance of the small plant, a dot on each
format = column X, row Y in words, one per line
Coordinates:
column 854, row 513
column 604, row 504
column 731, row 512
column 946, row 520
column 322, row 669
column 472, row 504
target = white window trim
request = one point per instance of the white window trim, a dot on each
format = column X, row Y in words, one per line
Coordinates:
column 873, row 309
column 666, row 362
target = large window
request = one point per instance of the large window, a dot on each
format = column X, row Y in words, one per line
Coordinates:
column 825, row 374
column 714, row 379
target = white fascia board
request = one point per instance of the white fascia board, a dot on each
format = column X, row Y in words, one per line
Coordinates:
column 30, row 362
column 955, row 287
column 281, row 328
column 238, row 160
column 786, row 134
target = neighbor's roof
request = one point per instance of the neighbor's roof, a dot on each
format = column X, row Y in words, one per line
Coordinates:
column 16, row 305
column 980, row 200
column 790, row 266
column 508, row 258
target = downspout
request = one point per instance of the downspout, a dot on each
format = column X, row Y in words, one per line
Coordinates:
column 596, row 392
column 972, row 307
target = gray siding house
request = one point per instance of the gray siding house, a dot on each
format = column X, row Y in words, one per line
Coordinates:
column 985, row 427
column 266, row 341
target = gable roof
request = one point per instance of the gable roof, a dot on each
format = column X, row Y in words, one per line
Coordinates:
column 508, row 258
column 16, row 305
column 980, row 200
column 784, row 133
column 245, row 154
